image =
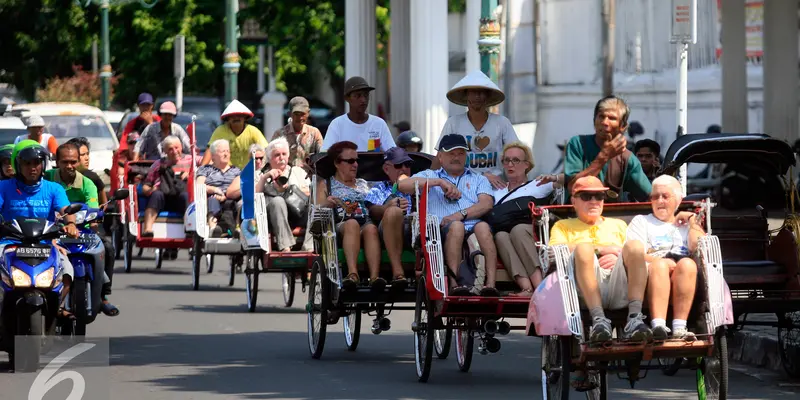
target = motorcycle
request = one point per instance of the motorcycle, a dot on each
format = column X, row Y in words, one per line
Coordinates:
column 31, row 280
column 87, row 254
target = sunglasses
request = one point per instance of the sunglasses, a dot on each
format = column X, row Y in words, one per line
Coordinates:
column 406, row 164
column 350, row 161
column 260, row 158
column 587, row 196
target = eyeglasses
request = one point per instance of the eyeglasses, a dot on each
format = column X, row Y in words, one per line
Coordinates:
column 350, row 161
column 406, row 164
column 512, row 161
column 587, row 196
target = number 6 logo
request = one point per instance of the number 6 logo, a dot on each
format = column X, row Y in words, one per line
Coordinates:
column 48, row 378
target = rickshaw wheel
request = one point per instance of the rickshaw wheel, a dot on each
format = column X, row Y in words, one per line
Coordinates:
column 556, row 362
column 712, row 372
column 465, row 345
column 788, row 342
column 116, row 238
column 209, row 262
column 236, row 261
column 672, row 365
column 599, row 378
column 288, row 286
column 159, row 255
column 317, row 308
column 197, row 244
column 251, row 282
column 423, row 332
column 352, row 329
column 127, row 249
column 442, row 338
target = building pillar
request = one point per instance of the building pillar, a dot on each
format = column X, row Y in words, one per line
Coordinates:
column 429, row 70
column 360, row 43
column 472, row 27
column 780, row 69
column 400, row 61
column 734, row 68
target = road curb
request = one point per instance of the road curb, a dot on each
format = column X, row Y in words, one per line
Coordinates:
column 756, row 349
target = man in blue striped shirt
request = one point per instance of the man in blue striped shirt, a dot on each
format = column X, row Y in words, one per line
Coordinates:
column 459, row 197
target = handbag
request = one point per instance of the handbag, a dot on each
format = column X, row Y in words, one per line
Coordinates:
column 506, row 215
column 171, row 183
column 296, row 200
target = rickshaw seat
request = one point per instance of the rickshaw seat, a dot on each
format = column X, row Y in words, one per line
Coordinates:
column 164, row 214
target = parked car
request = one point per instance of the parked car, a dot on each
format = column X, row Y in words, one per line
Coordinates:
column 10, row 128
column 114, row 118
column 203, row 106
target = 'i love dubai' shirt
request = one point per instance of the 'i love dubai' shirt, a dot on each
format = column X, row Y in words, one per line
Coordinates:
column 372, row 135
column 486, row 144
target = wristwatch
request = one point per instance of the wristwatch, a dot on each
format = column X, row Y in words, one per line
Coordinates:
column 464, row 213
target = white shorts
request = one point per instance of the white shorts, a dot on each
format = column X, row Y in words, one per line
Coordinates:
column 613, row 284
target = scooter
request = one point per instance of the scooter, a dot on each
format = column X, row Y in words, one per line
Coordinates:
column 87, row 254
column 31, row 280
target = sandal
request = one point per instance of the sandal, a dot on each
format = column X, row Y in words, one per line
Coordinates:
column 490, row 292
column 399, row 283
column 523, row 293
column 63, row 313
column 581, row 384
column 109, row 309
column 351, row 282
column 461, row 291
column 378, row 285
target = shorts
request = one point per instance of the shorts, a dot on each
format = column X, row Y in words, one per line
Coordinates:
column 467, row 232
column 613, row 284
column 407, row 242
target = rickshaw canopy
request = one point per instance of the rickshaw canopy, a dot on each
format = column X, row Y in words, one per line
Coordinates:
column 370, row 165
column 715, row 148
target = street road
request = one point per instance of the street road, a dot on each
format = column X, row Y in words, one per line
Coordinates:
column 174, row 343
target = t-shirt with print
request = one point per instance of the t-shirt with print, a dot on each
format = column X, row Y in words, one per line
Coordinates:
column 16, row 202
column 240, row 145
column 660, row 238
column 609, row 232
column 529, row 189
column 373, row 135
column 486, row 144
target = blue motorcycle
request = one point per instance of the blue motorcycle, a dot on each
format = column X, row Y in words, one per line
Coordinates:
column 31, row 272
column 87, row 254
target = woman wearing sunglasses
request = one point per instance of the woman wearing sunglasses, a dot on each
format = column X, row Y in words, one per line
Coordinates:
column 346, row 198
column 670, row 239
column 515, row 246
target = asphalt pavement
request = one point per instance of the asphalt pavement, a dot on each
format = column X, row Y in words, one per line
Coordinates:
column 174, row 343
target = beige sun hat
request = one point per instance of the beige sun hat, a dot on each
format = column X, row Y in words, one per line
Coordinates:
column 475, row 80
column 236, row 108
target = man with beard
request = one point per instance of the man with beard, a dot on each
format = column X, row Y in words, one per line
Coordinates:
column 304, row 139
column 368, row 132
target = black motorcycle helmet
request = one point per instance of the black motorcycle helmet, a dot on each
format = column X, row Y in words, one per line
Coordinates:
column 409, row 138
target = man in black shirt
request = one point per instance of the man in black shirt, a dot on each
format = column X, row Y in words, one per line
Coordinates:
column 83, row 155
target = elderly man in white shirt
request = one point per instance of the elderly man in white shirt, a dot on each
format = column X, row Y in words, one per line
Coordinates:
column 367, row 131
column 486, row 133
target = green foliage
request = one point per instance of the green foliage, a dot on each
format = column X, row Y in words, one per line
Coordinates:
column 457, row 6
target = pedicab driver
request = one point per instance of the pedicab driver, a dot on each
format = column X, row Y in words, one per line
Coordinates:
column 367, row 131
column 459, row 197
column 27, row 195
column 611, row 272
column 669, row 240
column 486, row 133
column 239, row 134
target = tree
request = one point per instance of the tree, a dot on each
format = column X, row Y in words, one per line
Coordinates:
column 81, row 86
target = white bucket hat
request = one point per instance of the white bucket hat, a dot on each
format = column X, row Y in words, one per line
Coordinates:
column 35, row 121
column 475, row 80
column 236, row 108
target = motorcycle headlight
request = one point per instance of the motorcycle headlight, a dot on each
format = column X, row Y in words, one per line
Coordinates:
column 21, row 279
column 91, row 217
column 45, row 279
column 80, row 216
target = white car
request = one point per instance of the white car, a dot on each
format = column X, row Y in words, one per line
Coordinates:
column 69, row 120
column 10, row 128
column 114, row 117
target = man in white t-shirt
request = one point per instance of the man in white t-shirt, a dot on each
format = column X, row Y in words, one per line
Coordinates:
column 487, row 133
column 670, row 240
column 368, row 132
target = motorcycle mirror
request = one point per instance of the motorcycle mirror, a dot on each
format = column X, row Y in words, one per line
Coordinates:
column 121, row 194
column 72, row 209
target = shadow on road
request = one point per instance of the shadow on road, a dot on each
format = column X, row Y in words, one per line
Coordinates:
column 170, row 287
column 240, row 309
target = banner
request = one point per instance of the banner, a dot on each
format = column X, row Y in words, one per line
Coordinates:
column 753, row 25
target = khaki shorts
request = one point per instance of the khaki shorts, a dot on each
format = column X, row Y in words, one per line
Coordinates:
column 613, row 284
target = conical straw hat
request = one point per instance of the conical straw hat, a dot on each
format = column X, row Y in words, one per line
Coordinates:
column 475, row 80
column 236, row 108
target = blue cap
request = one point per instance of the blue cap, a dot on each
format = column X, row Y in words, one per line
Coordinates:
column 453, row 141
column 145, row 98
column 396, row 155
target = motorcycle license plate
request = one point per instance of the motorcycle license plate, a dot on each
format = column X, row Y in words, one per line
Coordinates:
column 33, row 252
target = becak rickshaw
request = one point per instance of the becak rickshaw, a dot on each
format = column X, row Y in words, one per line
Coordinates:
column 262, row 255
column 563, row 322
column 327, row 301
column 168, row 228
column 761, row 265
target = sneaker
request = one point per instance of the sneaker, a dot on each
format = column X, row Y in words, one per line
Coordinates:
column 600, row 330
column 685, row 334
column 636, row 330
column 661, row 332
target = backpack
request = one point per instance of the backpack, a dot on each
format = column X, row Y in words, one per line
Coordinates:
column 171, row 182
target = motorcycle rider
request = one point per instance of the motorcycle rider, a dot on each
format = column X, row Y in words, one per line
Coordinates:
column 81, row 189
column 7, row 171
column 27, row 195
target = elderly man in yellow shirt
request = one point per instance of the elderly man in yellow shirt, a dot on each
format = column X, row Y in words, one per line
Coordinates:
column 238, row 133
column 611, row 273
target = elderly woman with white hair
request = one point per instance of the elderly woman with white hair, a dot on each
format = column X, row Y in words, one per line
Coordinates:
column 670, row 240
column 217, row 177
column 276, row 181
